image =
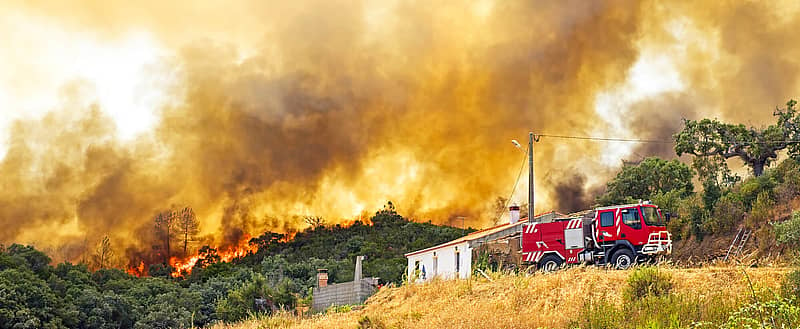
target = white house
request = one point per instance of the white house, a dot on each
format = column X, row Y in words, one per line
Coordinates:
column 453, row 259
column 448, row 260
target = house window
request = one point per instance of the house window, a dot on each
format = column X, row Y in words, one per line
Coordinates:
column 607, row 219
column 416, row 269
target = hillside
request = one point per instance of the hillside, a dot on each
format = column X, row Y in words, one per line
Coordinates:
column 39, row 294
column 384, row 238
column 579, row 297
column 706, row 221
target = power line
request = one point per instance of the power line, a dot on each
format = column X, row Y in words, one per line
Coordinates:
column 514, row 189
column 608, row 139
column 657, row 141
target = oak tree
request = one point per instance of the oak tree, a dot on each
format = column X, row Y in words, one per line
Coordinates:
column 756, row 147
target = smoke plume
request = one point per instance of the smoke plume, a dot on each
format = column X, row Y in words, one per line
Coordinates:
column 280, row 110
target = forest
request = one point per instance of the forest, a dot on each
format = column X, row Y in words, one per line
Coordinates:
column 36, row 294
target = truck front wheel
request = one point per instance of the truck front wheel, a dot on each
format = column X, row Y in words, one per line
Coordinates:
column 622, row 259
column 550, row 263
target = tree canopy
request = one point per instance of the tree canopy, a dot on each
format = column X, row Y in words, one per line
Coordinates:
column 756, row 147
column 642, row 181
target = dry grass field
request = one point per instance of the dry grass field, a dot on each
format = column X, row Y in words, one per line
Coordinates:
column 585, row 297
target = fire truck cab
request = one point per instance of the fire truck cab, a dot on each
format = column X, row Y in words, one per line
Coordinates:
column 620, row 235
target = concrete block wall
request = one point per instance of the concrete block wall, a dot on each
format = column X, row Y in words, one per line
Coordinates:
column 347, row 293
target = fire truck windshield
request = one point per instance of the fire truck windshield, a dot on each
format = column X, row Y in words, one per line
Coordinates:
column 651, row 216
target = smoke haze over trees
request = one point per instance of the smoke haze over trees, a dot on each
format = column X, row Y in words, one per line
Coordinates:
column 294, row 110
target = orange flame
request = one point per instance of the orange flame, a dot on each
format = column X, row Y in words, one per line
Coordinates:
column 137, row 270
column 363, row 217
column 288, row 237
column 184, row 266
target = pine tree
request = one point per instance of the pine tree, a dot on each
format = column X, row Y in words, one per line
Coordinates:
column 165, row 223
column 188, row 227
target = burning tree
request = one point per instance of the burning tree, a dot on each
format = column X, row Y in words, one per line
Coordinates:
column 265, row 242
column 314, row 221
column 207, row 256
column 103, row 254
column 165, row 223
column 170, row 225
column 188, row 227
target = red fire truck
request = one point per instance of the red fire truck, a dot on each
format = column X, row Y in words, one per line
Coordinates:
column 617, row 235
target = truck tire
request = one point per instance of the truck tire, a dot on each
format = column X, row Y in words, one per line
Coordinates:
column 622, row 259
column 550, row 263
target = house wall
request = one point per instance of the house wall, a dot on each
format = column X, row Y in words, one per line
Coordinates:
column 503, row 254
column 445, row 267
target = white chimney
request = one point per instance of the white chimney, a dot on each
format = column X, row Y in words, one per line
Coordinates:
column 514, row 213
column 357, row 274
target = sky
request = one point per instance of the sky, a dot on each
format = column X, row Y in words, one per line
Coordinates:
column 257, row 113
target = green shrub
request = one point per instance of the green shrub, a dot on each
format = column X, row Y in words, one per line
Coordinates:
column 696, row 216
column 711, row 193
column 762, row 209
column 727, row 213
column 776, row 312
column 787, row 173
column 339, row 309
column 598, row 314
column 254, row 296
column 750, row 189
column 680, row 227
column 788, row 232
column 647, row 281
column 790, row 287
column 668, row 201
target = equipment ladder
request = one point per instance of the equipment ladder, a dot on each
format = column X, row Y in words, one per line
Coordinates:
column 741, row 238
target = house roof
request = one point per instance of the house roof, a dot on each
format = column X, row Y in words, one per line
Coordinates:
column 480, row 234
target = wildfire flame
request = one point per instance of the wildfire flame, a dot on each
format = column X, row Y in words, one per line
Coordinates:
column 365, row 220
column 288, row 237
column 138, row 270
column 184, row 266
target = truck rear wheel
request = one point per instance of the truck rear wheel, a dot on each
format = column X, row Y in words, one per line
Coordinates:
column 622, row 259
column 550, row 263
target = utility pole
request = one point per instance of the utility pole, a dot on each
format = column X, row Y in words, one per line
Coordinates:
column 530, row 178
column 531, row 138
